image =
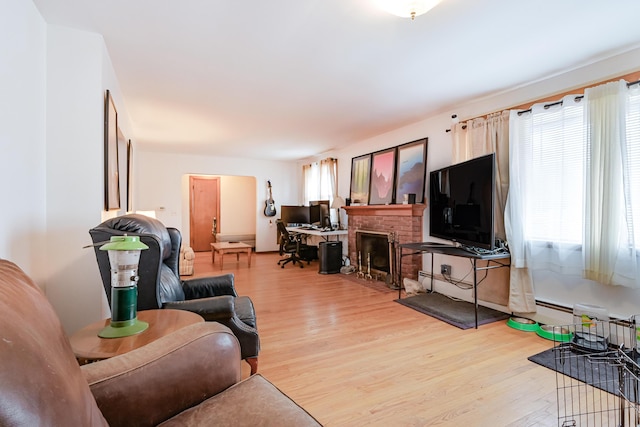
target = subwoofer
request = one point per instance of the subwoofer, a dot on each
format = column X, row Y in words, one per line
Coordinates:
column 330, row 257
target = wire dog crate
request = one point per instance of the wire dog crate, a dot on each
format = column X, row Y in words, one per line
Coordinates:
column 597, row 374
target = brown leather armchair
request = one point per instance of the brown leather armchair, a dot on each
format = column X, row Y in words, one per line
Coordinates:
column 190, row 377
column 160, row 286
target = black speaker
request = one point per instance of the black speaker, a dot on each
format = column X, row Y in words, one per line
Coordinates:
column 330, row 257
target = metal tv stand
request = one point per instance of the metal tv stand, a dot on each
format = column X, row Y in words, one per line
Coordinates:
column 493, row 261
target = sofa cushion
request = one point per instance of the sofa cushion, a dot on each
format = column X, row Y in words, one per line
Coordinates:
column 249, row 403
column 42, row 384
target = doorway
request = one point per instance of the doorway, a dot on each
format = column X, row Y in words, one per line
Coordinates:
column 231, row 200
column 204, row 215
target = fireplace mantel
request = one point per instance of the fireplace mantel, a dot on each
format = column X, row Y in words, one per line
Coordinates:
column 386, row 210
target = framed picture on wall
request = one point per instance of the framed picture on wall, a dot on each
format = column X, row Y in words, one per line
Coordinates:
column 360, row 174
column 383, row 167
column 111, row 171
column 411, row 167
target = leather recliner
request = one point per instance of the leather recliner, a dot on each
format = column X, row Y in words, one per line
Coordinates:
column 160, row 286
column 191, row 377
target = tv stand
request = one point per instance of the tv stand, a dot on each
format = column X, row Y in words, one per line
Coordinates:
column 494, row 259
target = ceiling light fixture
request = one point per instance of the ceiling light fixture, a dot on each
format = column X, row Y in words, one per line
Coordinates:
column 407, row 8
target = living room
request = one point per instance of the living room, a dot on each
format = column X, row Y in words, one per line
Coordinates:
column 57, row 107
column 54, row 80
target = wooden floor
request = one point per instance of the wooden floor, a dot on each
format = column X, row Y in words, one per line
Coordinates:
column 351, row 356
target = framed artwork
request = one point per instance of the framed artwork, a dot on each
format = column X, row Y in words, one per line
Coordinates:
column 360, row 174
column 411, row 167
column 111, row 172
column 383, row 167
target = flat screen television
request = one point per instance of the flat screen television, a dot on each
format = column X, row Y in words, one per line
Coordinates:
column 461, row 202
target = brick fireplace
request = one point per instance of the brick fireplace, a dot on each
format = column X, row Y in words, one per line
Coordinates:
column 404, row 221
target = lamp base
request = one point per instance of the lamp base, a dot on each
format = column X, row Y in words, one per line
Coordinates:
column 123, row 329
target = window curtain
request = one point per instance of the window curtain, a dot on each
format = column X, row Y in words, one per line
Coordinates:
column 481, row 136
column 310, row 177
column 320, row 180
column 609, row 250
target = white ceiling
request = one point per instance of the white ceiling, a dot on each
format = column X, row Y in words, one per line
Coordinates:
column 287, row 79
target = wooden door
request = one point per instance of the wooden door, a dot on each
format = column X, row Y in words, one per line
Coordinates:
column 204, row 204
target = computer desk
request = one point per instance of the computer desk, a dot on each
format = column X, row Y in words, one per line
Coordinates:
column 315, row 232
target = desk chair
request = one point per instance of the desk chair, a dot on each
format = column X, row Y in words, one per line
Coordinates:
column 290, row 244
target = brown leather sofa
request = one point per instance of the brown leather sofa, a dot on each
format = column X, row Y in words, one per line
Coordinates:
column 191, row 377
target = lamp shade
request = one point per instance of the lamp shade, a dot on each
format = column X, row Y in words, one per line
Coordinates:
column 337, row 203
column 407, row 8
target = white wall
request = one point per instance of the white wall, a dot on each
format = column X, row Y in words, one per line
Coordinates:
column 74, row 172
column 158, row 178
column 22, row 137
column 237, row 205
column 53, row 82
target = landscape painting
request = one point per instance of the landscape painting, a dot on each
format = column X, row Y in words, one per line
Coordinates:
column 360, row 174
column 383, row 167
column 411, row 167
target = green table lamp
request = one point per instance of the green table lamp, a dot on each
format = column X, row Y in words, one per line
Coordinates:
column 124, row 254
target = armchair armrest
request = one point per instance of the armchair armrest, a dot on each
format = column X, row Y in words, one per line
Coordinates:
column 204, row 287
column 211, row 309
column 153, row 383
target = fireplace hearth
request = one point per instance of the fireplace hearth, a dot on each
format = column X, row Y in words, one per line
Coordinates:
column 403, row 221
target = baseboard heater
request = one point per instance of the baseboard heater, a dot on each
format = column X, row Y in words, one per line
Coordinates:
column 565, row 309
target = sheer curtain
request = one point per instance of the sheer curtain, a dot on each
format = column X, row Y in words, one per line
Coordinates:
column 543, row 210
column 609, row 249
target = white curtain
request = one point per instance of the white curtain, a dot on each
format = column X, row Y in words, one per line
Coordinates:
column 320, row 180
column 609, row 254
column 543, row 212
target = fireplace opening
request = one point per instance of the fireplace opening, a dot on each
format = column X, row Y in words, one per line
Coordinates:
column 375, row 252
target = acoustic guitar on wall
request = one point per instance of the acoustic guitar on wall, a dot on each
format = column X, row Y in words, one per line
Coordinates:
column 270, row 206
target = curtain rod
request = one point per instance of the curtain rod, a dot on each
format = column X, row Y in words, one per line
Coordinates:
column 577, row 98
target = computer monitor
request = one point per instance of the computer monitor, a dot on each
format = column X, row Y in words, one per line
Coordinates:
column 319, row 213
column 295, row 214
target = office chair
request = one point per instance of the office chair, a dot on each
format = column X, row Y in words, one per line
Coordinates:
column 290, row 244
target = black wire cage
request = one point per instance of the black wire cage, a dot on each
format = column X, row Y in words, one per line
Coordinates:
column 597, row 374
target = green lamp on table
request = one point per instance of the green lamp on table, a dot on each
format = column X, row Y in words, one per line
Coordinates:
column 124, row 254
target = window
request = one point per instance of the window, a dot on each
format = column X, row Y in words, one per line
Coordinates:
column 574, row 197
column 555, row 145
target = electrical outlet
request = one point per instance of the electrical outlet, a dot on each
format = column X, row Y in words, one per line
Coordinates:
column 445, row 269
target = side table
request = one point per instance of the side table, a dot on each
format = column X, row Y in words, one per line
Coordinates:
column 230, row 248
column 89, row 347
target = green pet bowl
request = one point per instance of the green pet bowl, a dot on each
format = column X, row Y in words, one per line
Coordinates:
column 522, row 324
column 555, row 333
